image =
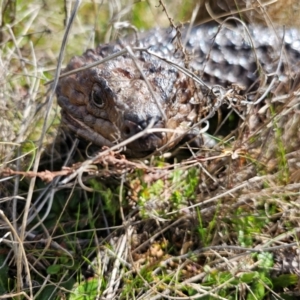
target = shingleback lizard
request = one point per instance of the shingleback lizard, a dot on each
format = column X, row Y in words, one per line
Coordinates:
column 110, row 102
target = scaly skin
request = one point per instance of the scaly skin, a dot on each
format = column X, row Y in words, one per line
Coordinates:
column 111, row 102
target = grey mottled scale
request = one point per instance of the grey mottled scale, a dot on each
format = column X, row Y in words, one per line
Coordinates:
column 227, row 56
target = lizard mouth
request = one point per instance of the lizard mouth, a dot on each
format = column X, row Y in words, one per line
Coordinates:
column 144, row 141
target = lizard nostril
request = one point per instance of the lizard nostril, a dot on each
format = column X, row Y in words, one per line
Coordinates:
column 130, row 128
column 126, row 130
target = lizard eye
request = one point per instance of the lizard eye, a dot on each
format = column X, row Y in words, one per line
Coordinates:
column 98, row 98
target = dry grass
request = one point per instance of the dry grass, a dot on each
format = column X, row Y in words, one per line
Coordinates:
column 220, row 226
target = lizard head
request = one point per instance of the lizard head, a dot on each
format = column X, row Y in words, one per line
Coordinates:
column 112, row 102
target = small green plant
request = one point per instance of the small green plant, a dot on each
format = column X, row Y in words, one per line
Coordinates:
column 281, row 149
column 86, row 290
column 247, row 226
column 206, row 231
column 172, row 193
